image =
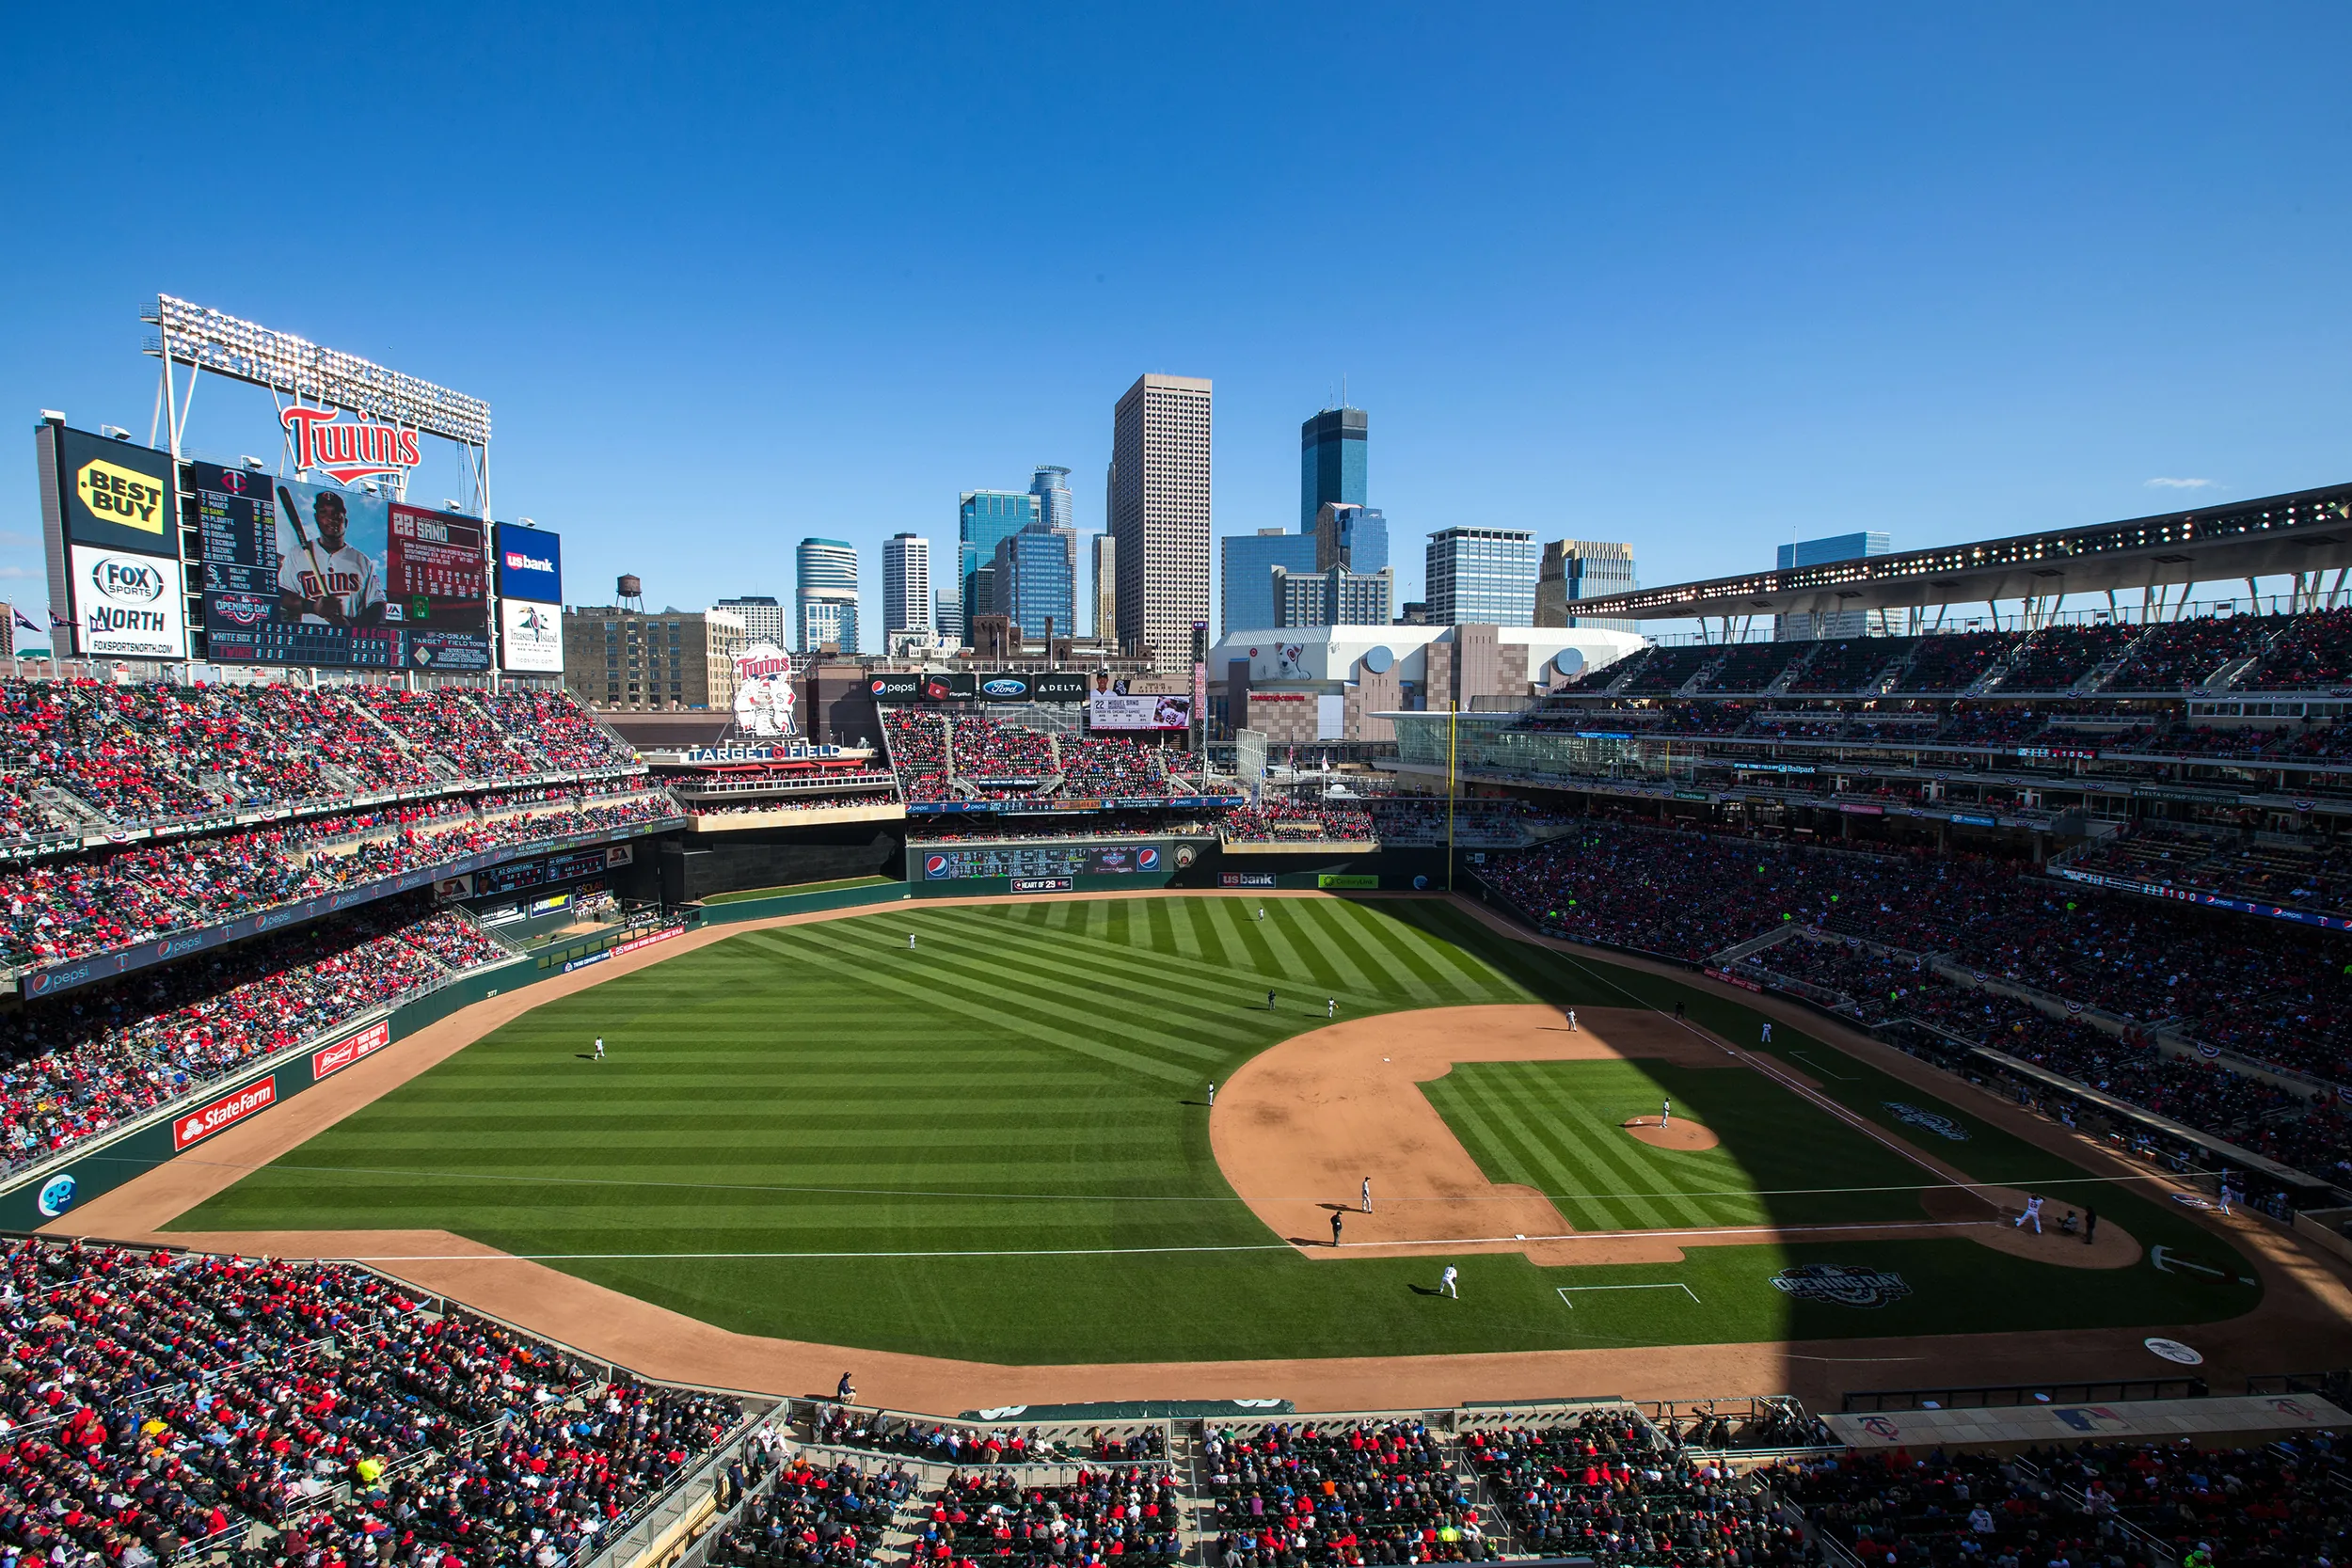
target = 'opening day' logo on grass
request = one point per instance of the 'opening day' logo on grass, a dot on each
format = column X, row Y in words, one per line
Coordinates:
column 1841, row 1286
column 1942, row 1127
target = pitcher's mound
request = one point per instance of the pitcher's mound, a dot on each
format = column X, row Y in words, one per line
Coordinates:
column 1676, row 1133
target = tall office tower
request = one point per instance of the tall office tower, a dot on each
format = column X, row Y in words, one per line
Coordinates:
column 1160, row 514
column 1577, row 569
column 1481, row 576
column 763, row 618
column 1337, row 597
column 982, row 518
column 1246, row 598
column 1332, row 447
column 906, row 583
column 1351, row 536
column 825, row 604
column 1836, row 622
column 1105, row 552
column 1050, row 485
column 1033, row 583
column 947, row 612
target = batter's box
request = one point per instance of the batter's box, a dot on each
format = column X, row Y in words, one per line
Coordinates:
column 1670, row 1285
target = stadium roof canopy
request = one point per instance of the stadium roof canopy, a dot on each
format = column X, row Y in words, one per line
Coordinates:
column 2308, row 531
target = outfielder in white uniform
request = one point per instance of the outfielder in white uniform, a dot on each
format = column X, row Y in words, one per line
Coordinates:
column 599, row 1053
column 1446, row 1283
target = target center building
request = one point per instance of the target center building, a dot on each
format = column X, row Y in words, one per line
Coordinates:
column 617, row 657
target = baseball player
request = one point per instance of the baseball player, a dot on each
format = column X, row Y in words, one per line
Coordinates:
column 2229, row 1195
column 599, row 1052
column 1446, row 1282
column 1571, row 1021
column 1330, row 1006
column 910, row 942
column 1261, row 911
column 1768, row 1032
column 1665, row 1112
column 2033, row 1212
column 1335, row 1227
column 1269, row 1001
column 329, row 584
column 1367, row 1194
column 1212, row 1093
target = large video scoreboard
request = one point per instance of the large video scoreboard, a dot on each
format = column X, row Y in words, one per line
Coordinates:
column 317, row 575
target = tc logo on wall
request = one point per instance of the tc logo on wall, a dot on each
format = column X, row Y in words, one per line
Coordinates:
column 1839, row 1285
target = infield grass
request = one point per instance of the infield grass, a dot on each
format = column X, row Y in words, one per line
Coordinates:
column 996, row 1147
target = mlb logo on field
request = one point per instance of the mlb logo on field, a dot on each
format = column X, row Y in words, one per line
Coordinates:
column 935, row 867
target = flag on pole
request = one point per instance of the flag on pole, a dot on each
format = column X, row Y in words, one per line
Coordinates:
column 23, row 619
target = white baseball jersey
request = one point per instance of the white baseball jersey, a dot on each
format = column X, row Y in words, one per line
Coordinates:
column 351, row 576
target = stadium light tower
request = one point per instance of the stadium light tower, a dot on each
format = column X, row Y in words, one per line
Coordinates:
column 295, row 369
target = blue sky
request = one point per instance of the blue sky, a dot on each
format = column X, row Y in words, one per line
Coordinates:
column 1695, row 277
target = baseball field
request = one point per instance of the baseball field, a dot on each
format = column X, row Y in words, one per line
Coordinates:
column 998, row 1147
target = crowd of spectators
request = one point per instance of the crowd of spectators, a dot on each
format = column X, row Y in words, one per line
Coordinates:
column 1602, row 1488
column 2139, row 1504
column 1305, row 818
column 1000, row 1515
column 993, row 760
column 56, row 912
column 163, row 1407
column 814, row 1516
column 1307, row 1496
column 2314, row 654
column 2055, row 658
column 2181, row 655
column 139, row 755
column 2229, row 981
column 75, row 1064
column 830, row 800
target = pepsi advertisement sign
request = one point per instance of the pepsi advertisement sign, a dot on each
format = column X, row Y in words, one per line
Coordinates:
column 530, row 564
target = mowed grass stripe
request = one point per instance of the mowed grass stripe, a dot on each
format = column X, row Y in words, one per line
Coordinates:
column 1610, row 1158
column 1321, row 929
column 1015, row 1011
column 1239, row 983
column 1158, row 986
column 1560, row 1164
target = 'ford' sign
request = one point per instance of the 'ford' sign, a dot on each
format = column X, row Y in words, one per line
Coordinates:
column 1003, row 687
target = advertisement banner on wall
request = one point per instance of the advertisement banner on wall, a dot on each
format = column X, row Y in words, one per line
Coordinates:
column 127, row 606
column 1060, row 687
column 943, row 687
column 116, row 495
column 531, row 637
column 529, row 565
column 1150, row 712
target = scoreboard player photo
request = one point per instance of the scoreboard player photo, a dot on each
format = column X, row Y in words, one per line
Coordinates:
column 324, row 575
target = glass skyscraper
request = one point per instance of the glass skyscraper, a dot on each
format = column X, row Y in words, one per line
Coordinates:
column 1245, row 592
column 1332, row 447
column 1353, row 536
column 1836, row 622
column 1050, row 485
column 1033, row 581
column 984, row 519
column 1482, row 577
column 825, row 605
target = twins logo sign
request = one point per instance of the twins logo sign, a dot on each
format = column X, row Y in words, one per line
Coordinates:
column 1838, row 1285
column 1942, row 1127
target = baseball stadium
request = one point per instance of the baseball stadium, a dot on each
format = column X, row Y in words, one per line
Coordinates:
column 1695, row 1099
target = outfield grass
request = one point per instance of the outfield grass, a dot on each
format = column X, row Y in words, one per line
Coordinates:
column 835, row 885
column 996, row 1147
